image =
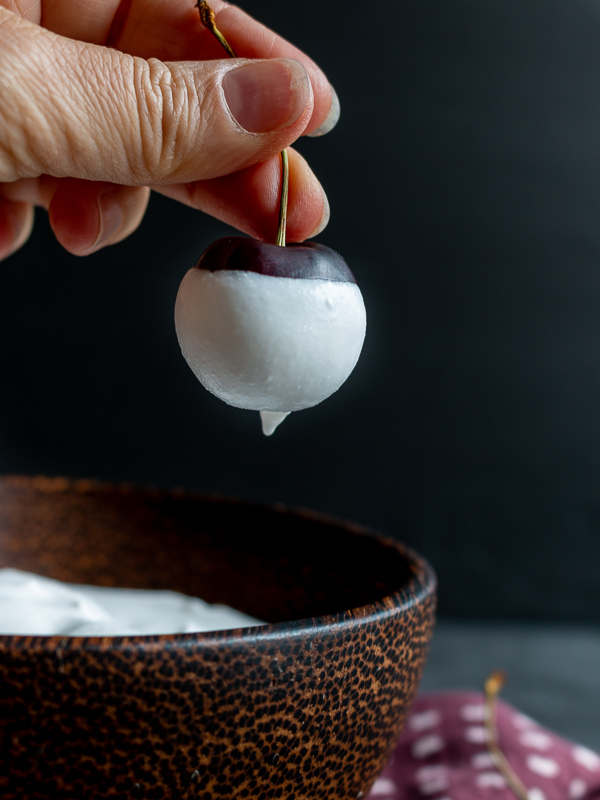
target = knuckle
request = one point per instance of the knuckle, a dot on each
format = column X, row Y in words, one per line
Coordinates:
column 165, row 107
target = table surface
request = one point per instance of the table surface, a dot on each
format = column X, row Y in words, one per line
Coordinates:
column 553, row 670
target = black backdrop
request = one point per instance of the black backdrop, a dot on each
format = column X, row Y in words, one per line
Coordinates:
column 464, row 180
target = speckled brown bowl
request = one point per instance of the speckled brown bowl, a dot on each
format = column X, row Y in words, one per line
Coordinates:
column 307, row 707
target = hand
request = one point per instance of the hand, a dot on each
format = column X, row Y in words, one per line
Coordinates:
column 101, row 100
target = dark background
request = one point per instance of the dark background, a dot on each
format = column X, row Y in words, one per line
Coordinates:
column 464, row 180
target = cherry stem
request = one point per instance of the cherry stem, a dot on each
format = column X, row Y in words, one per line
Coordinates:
column 492, row 688
column 283, row 200
column 207, row 17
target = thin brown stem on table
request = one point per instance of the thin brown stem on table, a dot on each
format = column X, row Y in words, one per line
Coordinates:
column 207, row 17
column 492, row 689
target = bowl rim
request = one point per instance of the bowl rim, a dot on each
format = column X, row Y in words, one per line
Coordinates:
column 420, row 586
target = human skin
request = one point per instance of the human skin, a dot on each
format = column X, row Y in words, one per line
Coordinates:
column 103, row 100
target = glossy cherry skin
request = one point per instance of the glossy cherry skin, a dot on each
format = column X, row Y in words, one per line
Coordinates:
column 308, row 260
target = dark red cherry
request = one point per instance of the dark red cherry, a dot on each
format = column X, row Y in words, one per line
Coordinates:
column 303, row 260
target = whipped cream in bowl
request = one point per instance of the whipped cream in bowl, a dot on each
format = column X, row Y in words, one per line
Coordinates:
column 92, row 707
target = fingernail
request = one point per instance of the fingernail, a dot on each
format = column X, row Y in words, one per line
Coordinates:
column 331, row 120
column 111, row 216
column 267, row 95
column 325, row 218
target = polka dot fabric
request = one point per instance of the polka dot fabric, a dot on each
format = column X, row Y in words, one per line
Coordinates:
column 442, row 755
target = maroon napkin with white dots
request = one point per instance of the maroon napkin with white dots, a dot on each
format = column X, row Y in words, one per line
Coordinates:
column 442, row 755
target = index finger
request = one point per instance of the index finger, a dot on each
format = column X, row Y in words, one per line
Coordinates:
column 171, row 30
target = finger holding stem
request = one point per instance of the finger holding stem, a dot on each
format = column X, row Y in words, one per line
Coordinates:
column 207, row 17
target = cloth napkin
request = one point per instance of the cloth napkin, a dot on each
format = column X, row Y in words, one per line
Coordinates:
column 442, row 755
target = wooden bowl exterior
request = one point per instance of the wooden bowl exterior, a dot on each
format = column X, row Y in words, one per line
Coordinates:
column 308, row 706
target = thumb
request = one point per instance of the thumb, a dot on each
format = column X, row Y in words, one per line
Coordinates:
column 72, row 109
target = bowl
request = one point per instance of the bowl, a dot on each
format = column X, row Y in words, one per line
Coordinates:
column 308, row 706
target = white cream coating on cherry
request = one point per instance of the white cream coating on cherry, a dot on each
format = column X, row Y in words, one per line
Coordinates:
column 267, row 343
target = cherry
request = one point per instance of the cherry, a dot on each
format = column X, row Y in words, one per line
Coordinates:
column 265, row 342
column 270, row 327
column 299, row 260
